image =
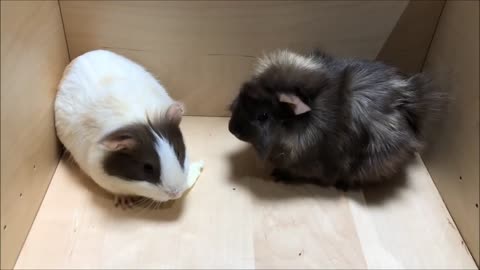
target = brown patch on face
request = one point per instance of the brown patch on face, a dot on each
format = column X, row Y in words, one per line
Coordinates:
column 132, row 155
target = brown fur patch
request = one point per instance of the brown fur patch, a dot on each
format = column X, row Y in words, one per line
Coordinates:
column 141, row 162
column 170, row 131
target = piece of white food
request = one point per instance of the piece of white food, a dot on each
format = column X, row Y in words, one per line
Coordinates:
column 194, row 172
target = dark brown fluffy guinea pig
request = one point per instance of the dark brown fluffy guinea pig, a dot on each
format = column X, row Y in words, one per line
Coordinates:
column 341, row 122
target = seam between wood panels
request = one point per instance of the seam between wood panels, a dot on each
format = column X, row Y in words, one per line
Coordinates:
column 54, row 170
column 445, row 205
column 433, row 36
column 64, row 31
column 355, row 202
column 62, row 150
column 429, row 51
column 52, row 174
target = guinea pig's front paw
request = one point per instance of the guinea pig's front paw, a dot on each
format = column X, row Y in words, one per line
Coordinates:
column 124, row 201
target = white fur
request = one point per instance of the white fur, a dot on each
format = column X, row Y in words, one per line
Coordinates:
column 100, row 92
column 286, row 58
column 399, row 83
column 169, row 160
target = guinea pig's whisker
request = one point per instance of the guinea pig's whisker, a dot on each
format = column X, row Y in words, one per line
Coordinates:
column 144, row 205
column 147, row 203
column 156, row 205
column 140, row 201
column 150, row 204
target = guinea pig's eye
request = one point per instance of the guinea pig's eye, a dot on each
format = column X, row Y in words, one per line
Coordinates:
column 148, row 168
column 262, row 117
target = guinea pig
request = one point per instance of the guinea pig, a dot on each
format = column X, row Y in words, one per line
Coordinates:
column 334, row 121
column 122, row 128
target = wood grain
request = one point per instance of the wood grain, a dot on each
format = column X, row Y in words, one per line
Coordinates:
column 235, row 218
column 408, row 44
column 203, row 50
column 33, row 55
column 453, row 160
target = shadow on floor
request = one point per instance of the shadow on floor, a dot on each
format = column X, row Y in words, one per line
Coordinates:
column 251, row 173
column 168, row 212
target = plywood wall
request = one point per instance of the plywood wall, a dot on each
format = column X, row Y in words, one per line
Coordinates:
column 33, row 55
column 408, row 43
column 202, row 51
column 453, row 160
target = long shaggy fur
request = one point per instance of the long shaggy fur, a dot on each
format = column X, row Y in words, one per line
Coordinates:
column 367, row 119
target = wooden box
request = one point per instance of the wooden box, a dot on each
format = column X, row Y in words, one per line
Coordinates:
column 53, row 216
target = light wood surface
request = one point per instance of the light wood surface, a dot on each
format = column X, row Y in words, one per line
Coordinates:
column 235, row 217
column 407, row 46
column 453, row 160
column 33, row 55
column 205, row 49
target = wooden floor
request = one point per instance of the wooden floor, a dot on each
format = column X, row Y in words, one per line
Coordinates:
column 235, row 217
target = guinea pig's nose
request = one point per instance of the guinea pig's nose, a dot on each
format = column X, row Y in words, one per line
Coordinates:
column 231, row 127
column 174, row 194
column 234, row 129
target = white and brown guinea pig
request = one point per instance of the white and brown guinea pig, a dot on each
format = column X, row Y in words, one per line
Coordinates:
column 334, row 121
column 122, row 128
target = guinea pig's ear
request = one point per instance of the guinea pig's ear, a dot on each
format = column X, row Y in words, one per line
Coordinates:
column 175, row 112
column 297, row 105
column 118, row 141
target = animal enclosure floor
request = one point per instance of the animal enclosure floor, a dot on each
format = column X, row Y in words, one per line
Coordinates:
column 235, row 217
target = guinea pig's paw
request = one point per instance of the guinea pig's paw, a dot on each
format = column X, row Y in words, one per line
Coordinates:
column 124, row 201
